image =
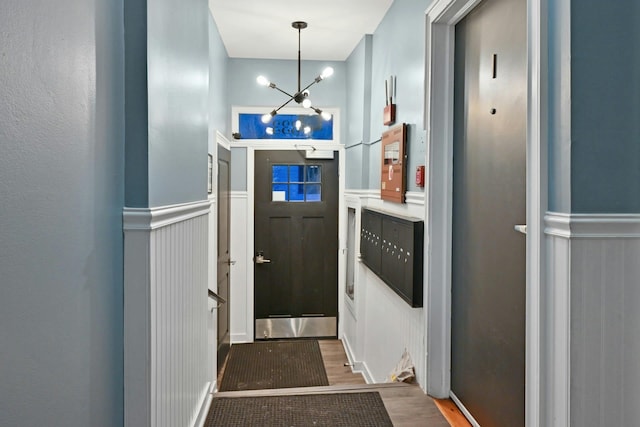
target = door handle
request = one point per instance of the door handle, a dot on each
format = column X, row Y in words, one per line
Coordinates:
column 230, row 262
column 260, row 259
column 521, row 228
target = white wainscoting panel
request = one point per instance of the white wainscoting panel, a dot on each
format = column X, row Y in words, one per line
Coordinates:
column 599, row 257
column 391, row 326
column 379, row 325
column 242, row 271
column 166, row 351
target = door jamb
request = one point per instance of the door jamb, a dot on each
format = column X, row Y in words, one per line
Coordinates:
column 441, row 18
column 342, row 219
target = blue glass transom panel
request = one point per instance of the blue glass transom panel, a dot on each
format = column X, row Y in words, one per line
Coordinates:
column 284, row 127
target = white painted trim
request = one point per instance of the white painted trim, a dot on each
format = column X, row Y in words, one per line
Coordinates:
column 415, row 198
column 412, row 197
column 357, row 366
column 239, row 195
column 241, row 338
column 556, row 342
column 592, row 226
column 222, row 140
column 464, row 410
column 204, row 407
column 147, row 219
column 363, row 194
column 536, row 268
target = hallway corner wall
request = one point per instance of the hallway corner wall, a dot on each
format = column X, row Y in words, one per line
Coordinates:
column 166, row 224
column 61, row 193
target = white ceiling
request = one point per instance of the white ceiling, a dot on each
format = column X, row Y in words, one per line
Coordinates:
column 262, row 28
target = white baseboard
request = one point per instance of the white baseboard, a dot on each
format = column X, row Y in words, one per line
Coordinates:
column 240, row 338
column 357, row 367
column 204, row 408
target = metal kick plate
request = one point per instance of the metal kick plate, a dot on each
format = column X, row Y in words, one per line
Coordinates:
column 296, row 327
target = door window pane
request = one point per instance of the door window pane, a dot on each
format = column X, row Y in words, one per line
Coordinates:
column 296, row 183
column 296, row 173
column 313, row 173
column 314, row 193
column 279, row 192
column 279, row 173
column 296, row 192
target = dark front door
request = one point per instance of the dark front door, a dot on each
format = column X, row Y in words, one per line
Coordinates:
column 489, row 199
column 296, row 245
column 224, row 257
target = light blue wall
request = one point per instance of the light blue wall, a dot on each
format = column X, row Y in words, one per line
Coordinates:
column 605, row 106
column 61, row 198
column 178, row 93
column 239, row 169
column 136, row 104
column 218, row 105
column 358, row 117
column 398, row 49
column 594, row 105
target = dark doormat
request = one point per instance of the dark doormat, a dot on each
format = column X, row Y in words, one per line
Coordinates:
column 335, row 410
column 274, row 364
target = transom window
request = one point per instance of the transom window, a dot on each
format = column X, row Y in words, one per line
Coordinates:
column 296, row 183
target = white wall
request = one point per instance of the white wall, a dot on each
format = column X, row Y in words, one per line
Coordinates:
column 61, row 197
column 241, row 282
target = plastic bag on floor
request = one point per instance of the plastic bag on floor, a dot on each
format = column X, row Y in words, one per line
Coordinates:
column 404, row 372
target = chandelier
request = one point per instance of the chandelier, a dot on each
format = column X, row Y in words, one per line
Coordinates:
column 302, row 95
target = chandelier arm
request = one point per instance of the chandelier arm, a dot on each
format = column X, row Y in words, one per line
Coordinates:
column 308, row 86
column 283, row 105
column 280, row 90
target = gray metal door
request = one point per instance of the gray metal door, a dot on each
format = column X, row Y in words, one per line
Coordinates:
column 296, row 244
column 489, row 199
column 224, row 257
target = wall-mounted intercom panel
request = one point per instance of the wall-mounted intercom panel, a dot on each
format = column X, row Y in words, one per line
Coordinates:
column 393, row 176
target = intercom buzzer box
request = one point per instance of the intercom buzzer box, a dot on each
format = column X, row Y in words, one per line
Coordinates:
column 392, row 247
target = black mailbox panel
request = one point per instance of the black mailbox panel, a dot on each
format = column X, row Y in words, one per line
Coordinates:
column 392, row 247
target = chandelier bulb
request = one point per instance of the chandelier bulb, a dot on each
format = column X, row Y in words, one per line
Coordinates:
column 266, row 118
column 306, row 103
column 326, row 116
column 327, row 72
column 263, row 81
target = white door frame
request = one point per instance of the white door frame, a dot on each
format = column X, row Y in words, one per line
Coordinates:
column 441, row 18
column 251, row 146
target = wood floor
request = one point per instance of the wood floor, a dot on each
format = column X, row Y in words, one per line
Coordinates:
column 407, row 404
